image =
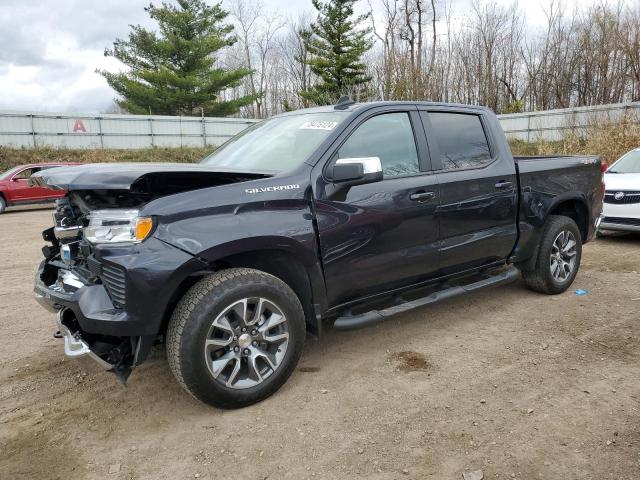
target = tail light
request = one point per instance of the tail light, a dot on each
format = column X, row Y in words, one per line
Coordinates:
column 604, row 167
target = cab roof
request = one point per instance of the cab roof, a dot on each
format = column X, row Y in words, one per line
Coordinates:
column 359, row 107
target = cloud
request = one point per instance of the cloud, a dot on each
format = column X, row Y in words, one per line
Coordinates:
column 20, row 46
column 50, row 51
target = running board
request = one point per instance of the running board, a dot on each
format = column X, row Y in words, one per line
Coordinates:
column 351, row 322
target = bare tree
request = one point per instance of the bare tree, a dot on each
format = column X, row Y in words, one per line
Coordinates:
column 257, row 37
column 428, row 50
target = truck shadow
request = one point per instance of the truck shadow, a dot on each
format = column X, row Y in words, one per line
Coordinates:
column 620, row 238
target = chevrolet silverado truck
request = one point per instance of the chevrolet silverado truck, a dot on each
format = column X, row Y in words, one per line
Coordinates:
column 343, row 215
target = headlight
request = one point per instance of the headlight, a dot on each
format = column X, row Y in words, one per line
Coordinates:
column 117, row 226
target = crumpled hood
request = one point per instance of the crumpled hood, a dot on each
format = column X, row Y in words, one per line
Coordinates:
column 125, row 176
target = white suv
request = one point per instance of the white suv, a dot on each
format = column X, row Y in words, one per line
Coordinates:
column 622, row 197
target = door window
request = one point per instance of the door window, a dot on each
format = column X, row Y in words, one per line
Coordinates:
column 26, row 173
column 461, row 140
column 388, row 136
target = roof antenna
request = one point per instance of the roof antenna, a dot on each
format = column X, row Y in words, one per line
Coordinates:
column 344, row 102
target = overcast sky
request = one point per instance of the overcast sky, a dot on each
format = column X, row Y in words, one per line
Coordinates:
column 50, row 49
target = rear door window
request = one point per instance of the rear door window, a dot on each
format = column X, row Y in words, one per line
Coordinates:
column 461, row 140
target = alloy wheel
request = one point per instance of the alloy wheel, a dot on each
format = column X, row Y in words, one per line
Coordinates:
column 246, row 343
column 562, row 260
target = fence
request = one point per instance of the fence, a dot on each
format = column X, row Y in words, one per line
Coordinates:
column 552, row 124
column 32, row 130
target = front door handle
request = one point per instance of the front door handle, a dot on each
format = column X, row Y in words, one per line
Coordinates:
column 422, row 196
column 502, row 185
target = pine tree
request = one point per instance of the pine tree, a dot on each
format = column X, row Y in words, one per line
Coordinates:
column 173, row 71
column 336, row 45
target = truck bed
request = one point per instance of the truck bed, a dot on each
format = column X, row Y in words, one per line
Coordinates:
column 548, row 157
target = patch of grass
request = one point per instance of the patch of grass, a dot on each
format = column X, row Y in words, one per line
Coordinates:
column 609, row 140
column 10, row 157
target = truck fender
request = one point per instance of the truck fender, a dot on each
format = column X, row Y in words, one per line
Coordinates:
column 283, row 257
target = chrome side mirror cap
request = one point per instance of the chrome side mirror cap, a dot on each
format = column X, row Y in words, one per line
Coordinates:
column 357, row 170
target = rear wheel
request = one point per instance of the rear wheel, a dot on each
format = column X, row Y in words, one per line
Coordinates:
column 558, row 257
column 235, row 337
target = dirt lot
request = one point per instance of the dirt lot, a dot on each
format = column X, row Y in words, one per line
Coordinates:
column 514, row 383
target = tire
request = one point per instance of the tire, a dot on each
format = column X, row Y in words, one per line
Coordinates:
column 3, row 204
column 206, row 329
column 544, row 278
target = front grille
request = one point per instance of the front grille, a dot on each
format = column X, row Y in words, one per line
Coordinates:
column 622, row 221
column 628, row 198
column 115, row 281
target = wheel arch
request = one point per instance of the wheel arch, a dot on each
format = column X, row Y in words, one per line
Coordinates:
column 575, row 208
column 569, row 205
column 289, row 268
column 289, row 263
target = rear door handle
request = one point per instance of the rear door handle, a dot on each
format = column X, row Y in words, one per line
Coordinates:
column 502, row 185
column 422, row 196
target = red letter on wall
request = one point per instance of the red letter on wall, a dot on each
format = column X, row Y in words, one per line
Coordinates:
column 79, row 127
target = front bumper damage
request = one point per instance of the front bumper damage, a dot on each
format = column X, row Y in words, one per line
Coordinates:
column 75, row 346
column 68, row 295
column 114, row 324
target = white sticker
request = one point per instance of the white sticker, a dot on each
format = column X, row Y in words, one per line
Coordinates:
column 318, row 125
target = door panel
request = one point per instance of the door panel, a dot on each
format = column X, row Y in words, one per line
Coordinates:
column 375, row 237
column 478, row 192
column 381, row 235
column 477, row 220
column 21, row 191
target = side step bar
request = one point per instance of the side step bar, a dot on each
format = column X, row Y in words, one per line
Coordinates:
column 351, row 322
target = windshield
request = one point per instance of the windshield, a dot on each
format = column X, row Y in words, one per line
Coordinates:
column 278, row 144
column 629, row 163
column 8, row 173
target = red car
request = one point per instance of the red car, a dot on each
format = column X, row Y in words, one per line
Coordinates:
column 15, row 188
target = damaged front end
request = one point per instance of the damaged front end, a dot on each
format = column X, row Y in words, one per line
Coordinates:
column 89, row 296
column 113, row 354
column 79, row 307
column 112, row 283
column 113, row 294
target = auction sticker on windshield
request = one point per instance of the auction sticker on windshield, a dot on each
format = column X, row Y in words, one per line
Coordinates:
column 318, row 125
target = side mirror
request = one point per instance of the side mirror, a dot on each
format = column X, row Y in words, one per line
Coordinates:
column 357, row 171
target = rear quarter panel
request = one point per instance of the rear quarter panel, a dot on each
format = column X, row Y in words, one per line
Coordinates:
column 545, row 183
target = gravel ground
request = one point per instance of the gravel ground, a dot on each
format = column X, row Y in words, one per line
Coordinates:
column 517, row 384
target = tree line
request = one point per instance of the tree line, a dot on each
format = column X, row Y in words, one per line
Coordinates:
column 250, row 61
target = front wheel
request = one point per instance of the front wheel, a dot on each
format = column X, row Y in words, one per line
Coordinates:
column 3, row 204
column 558, row 257
column 235, row 337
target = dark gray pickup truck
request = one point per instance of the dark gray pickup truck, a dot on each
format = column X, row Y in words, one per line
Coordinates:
column 345, row 214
